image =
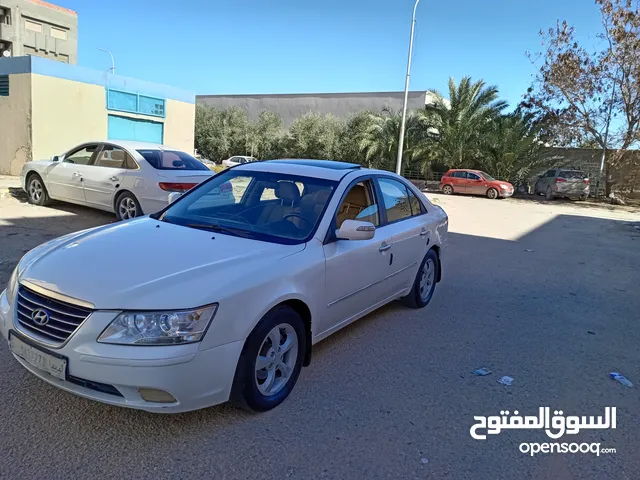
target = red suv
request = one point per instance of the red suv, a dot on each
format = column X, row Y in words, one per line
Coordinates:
column 474, row 182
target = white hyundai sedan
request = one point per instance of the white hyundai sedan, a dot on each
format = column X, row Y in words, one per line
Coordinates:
column 128, row 178
column 206, row 301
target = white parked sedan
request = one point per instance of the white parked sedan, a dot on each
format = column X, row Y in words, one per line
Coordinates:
column 238, row 160
column 128, row 178
column 207, row 301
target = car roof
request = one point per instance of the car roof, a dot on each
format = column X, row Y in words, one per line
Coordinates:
column 133, row 145
column 464, row 170
column 325, row 169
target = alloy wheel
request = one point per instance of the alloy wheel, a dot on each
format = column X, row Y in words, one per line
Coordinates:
column 127, row 208
column 276, row 359
column 35, row 190
column 427, row 279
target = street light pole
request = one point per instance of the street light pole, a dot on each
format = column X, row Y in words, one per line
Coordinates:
column 406, row 93
column 113, row 65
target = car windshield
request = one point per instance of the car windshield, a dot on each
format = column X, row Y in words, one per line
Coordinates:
column 487, row 176
column 260, row 205
column 171, row 160
column 572, row 174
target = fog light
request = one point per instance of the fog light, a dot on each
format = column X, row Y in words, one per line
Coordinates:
column 156, row 396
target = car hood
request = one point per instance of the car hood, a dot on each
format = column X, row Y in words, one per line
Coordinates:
column 147, row 264
column 500, row 182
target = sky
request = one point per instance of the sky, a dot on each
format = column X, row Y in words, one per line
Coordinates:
column 312, row 46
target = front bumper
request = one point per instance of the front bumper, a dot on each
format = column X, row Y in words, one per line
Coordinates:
column 506, row 192
column 195, row 378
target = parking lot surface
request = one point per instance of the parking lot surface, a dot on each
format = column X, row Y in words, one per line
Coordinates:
column 547, row 293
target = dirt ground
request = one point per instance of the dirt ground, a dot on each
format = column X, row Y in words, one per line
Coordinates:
column 547, row 293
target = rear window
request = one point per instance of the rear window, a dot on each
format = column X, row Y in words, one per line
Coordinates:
column 572, row 174
column 171, row 160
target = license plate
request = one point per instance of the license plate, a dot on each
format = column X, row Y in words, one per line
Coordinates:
column 37, row 358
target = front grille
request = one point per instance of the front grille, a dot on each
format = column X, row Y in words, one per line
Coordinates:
column 64, row 318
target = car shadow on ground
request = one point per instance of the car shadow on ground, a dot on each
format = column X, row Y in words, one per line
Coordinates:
column 524, row 308
column 21, row 196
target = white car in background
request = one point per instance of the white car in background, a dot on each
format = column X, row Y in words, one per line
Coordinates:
column 208, row 301
column 238, row 160
column 128, row 178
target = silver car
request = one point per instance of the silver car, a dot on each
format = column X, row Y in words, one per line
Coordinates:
column 563, row 182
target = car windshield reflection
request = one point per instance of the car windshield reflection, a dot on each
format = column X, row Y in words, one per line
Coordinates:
column 260, row 205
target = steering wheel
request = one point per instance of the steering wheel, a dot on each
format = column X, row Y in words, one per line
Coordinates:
column 297, row 215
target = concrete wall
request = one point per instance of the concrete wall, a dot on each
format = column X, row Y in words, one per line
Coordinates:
column 65, row 113
column 44, row 42
column 53, row 106
column 179, row 125
column 15, row 131
column 292, row 106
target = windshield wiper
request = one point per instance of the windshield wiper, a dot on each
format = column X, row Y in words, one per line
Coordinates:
column 219, row 228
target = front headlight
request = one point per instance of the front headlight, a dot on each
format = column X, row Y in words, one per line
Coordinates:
column 504, row 187
column 159, row 328
column 12, row 286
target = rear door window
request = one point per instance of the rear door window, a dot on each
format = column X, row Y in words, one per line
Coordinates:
column 171, row 160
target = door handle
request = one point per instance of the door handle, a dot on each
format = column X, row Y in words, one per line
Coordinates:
column 424, row 232
column 77, row 174
column 113, row 179
column 384, row 247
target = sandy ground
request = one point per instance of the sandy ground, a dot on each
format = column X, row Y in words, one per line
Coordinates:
column 546, row 293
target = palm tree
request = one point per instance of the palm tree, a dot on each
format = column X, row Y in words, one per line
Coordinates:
column 512, row 147
column 460, row 122
column 378, row 140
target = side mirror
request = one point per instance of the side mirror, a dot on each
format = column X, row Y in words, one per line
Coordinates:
column 55, row 158
column 356, row 230
column 173, row 196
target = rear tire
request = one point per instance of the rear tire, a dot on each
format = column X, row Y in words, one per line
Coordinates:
column 425, row 282
column 251, row 390
column 447, row 189
column 127, row 206
column 36, row 191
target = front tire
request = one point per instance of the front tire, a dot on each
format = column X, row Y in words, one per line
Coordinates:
column 127, row 206
column 447, row 190
column 549, row 194
column 36, row 191
column 425, row 282
column 492, row 194
column 271, row 361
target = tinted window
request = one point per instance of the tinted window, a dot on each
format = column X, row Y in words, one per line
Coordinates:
column 358, row 204
column 472, row 176
column 572, row 174
column 112, row 157
column 231, row 203
column 487, row 176
column 82, row 156
column 459, row 174
column 416, row 205
column 171, row 160
column 396, row 199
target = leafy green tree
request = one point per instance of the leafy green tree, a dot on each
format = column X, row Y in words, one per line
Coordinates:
column 267, row 134
column 221, row 133
column 314, row 135
column 458, row 124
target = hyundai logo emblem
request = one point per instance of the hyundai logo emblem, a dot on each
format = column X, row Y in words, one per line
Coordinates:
column 40, row 317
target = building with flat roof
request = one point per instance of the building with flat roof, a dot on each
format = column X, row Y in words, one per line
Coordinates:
column 292, row 106
column 39, row 28
column 47, row 107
